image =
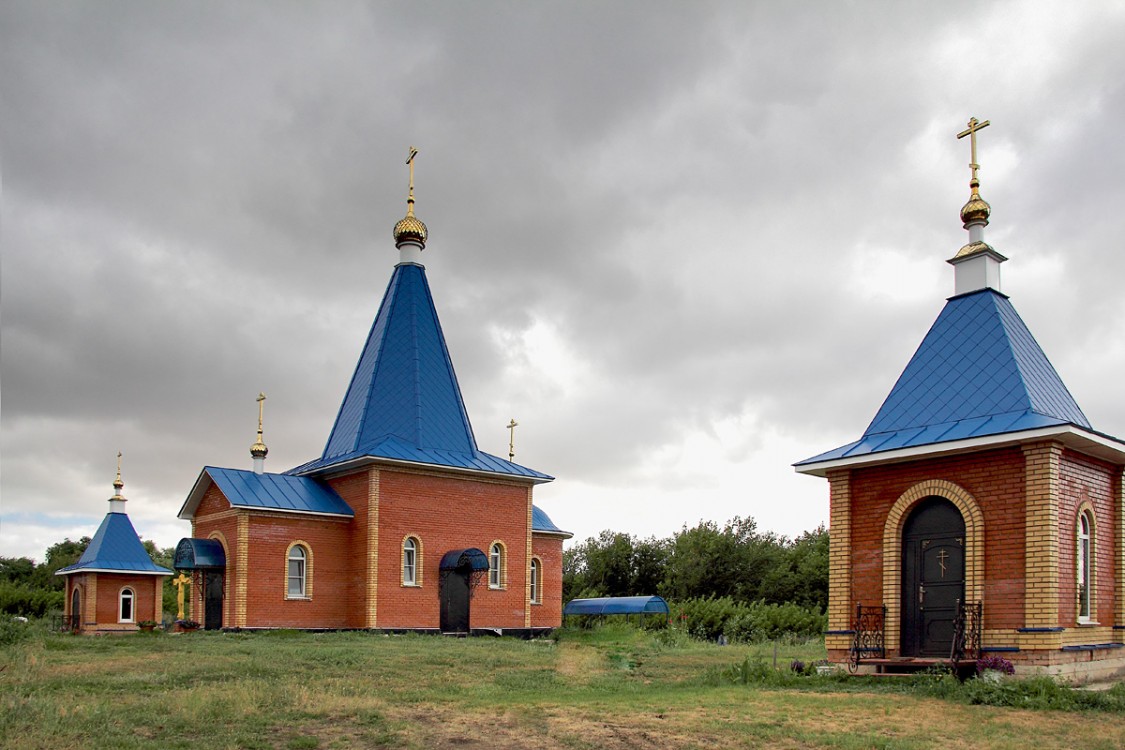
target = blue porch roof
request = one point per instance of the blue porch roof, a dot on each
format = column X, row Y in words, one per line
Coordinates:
column 404, row 402
column 617, row 605
column 115, row 548
column 978, row 372
column 280, row 492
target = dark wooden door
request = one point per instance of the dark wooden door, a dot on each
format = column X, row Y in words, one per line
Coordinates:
column 455, row 600
column 933, row 577
column 213, row 601
column 75, row 609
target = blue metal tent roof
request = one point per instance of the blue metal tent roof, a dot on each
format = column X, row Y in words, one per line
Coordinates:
column 404, row 402
column 115, row 548
column 617, row 605
column 978, row 372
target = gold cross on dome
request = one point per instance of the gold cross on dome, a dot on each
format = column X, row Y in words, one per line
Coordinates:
column 512, row 425
column 974, row 126
column 410, row 198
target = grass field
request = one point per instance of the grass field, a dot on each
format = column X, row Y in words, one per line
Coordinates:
column 610, row 688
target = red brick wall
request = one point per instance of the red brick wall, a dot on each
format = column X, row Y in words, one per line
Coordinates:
column 548, row 614
column 214, row 514
column 327, row 572
column 1085, row 479
column 448, row 513
column 994, row 478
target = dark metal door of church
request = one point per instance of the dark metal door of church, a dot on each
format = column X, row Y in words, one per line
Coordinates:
column 455, row 600
column 213, row 602
column 933, row 577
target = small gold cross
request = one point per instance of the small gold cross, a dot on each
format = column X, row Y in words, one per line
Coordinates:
column 974, row 126
column 512, row 425
column 941, row 558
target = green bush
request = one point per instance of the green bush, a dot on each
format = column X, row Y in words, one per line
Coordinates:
column 706, row 617
column 13, row 631
column 764, row 622
column 24, row 600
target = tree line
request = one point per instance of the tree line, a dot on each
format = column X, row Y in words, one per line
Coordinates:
column 734, row 561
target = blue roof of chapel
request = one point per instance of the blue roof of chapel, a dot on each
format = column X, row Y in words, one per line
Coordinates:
column 978, row 372
column 404, row 402
column 115, row 548
column 281, row 492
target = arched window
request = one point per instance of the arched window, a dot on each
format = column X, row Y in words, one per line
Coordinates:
column 535, row 573
column 410, row 562
column 1085, row 568
column 298, row 557
column 125, row 605
column 496, row 566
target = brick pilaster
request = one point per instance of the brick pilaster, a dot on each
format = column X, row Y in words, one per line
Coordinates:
column 527, row 568
column 839, row 558
column 1118, row 571
column 372, row 613
column 241, row 573
column 1041, row 530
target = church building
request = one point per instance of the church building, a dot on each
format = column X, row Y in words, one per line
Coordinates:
column 115, row 585
column 402, row 523
column 980, row 512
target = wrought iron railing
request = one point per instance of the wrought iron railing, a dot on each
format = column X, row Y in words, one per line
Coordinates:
column 966, row 632
column 869, row 634
column 66, row 623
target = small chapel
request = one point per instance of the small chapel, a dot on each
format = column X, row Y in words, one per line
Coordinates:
column 401, row 524
column 115, row 585
column 980, row 512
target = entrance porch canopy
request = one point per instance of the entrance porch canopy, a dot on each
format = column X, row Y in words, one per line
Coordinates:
column 199, row 554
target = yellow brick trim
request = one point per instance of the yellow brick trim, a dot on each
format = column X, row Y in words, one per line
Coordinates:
column 372, row 613
column 228, row 615
column 308, row 569
column 529, row 558
column 242, row 575
column 158, row 597
column 90, row 606
column 1041, row 534
column 503, row 582
column 417, row 560
column 892, row 548
column 839, row 551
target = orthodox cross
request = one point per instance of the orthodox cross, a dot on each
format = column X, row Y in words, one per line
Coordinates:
column 941, row 558
column 179, row 582
column 974, row 126
column 261, row 399
column 410, row 161
column 512, row 425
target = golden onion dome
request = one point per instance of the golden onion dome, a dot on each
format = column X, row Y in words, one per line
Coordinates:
column 972, row 249
column 976, row 210
column 259, row 449
column 410, row 227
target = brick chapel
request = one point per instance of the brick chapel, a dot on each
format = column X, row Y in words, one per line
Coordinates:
column 980, row 512
column 401, row 524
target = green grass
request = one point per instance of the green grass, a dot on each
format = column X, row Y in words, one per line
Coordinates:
column 609, row 687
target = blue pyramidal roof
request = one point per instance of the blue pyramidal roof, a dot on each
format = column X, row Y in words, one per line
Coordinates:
column 116, row 548
column 404, row 402
column 978, row 372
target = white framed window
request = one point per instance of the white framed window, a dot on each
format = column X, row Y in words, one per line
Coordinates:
column 125, row 605
column 1085, row 567
column 535, row 580
column 297, row 571
column 410, row 561
column 496, row 566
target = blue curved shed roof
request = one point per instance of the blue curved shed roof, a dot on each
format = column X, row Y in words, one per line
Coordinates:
column 472, row 557
column 617, row 605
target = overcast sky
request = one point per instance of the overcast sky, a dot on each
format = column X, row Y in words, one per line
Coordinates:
column 684, row 244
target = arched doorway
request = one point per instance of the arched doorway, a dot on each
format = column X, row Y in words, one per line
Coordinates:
column 75, row 609
column 933, row 577
column 460, row 570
